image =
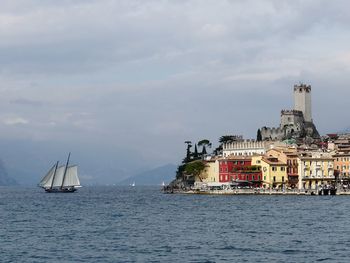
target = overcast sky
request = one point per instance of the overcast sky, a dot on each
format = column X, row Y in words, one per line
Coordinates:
column 148, row 75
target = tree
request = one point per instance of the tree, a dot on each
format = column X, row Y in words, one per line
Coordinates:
column 188, row 152
column 259, row 136
column 227, row 139
column 195, row 169
column 195, row 154
column 204, row 150
column 204, row 143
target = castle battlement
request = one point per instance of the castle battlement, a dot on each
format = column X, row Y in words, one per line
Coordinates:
column 302, row 87
column 292, row 112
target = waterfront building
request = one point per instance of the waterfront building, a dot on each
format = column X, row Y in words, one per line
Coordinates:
column 211, row 173
column 315, row 169
column 289, row 156
column 274, row 171
column 249, row 147
column 239, row 169
column 342, row 166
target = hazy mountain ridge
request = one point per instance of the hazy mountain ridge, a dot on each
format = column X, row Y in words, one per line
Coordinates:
column 5, row 180
column 28, row 161
column 155, row 176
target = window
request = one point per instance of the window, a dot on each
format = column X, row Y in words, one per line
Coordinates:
column 274, row 178
column 258, row 161
column 265, row 178
column 253, row 178
column 282, row 178
column 274, row 168
column 283, row 169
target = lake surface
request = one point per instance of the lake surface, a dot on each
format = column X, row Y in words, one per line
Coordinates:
column 140, row 224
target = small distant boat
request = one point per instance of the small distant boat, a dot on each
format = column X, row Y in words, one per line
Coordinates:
column 61, row 179
column 163, row 184
column 133, row 184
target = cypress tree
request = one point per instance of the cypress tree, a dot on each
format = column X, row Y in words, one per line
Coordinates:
column 259, row 136
column 204, row 151
column 195, row 154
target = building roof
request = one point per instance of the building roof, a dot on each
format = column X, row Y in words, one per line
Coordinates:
column 273, row 161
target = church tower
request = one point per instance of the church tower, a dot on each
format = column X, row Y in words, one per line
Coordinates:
column 302, row 100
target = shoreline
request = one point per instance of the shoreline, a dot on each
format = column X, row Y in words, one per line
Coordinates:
column 250, row 192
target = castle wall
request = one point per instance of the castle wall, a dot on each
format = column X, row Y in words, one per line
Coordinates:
column 273, row 134
column 291, row 117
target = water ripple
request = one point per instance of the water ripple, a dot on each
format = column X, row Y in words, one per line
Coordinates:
column 116, row 224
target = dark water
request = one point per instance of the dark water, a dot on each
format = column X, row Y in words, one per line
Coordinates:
column 115, row 224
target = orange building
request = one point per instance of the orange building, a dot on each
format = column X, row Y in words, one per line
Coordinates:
column 342, row 166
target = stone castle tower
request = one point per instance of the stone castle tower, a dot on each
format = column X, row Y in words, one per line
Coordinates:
column 302, row 100
column 297, row 123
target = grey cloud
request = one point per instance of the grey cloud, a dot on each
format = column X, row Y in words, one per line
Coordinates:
column 147, row 75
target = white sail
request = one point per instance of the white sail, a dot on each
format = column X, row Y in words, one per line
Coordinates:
column 57, row 182
column 71, row 178
column 47, row 180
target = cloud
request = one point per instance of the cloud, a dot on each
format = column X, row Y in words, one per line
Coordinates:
column 147, row 75
column 15, row 121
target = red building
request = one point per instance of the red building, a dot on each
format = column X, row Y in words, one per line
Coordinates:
column 239, row 169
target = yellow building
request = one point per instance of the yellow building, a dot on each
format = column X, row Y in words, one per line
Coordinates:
column 315, row 169
column 209, row 176
column 274, row 171
column 288, row 155
column 211, row 172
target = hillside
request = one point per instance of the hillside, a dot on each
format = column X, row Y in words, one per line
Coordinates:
column 155, row 176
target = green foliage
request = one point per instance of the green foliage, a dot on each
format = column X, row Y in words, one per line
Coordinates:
column 195, row 154
column 179, row 172
column 194, row 168
column 203, row 142
column 204, row 150
column 227, row 138
column 188, row 152
column 259, row 136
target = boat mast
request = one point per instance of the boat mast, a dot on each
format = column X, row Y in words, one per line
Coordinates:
column 54, row 174
column 65, row 171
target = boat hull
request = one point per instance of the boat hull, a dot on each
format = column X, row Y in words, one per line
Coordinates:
column 64, row 190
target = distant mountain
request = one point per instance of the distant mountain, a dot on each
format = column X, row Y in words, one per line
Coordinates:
column 155, row 176
column 5, row 180
column 346, row 130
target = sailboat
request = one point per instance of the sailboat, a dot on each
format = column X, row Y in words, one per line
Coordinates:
column 61, row 179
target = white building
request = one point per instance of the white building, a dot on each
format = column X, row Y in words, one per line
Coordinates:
column 249, row 147
column 315, row 169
